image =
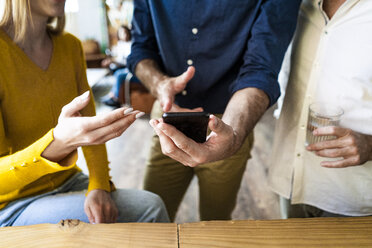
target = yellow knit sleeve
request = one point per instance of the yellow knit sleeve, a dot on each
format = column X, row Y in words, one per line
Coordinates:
column 95, row 156
column 26, row 166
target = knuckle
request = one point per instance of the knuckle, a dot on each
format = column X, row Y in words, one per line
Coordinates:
column 354, row 150
column 105, row 121
column 82, row 128
column 353, row 140
column 64, row 109
column 200, row 160
column 333, row 153
column 349, row 141
column 332, row 129
column 184, row 146
column 168, row 150
column 356, row 160
column 193, row 164
column 89, row 139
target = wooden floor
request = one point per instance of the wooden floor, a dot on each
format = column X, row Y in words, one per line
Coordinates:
column 128, row 153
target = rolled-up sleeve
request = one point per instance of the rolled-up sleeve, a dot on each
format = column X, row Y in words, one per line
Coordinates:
column 144, row 44
column 271, row 34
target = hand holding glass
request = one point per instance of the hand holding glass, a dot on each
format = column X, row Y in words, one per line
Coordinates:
column 322, row 114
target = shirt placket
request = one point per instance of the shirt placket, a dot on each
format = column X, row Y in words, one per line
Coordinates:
column 302, row 124
column 193, row 34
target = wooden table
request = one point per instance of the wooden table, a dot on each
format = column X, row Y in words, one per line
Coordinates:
column 324, row 232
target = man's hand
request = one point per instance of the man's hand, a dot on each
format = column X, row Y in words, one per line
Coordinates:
column 170, row 86
column 100, row 208
column 163, row 87
column 355, row 148
column 220, row 143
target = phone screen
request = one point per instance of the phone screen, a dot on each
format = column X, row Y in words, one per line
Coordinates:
column 193, row 124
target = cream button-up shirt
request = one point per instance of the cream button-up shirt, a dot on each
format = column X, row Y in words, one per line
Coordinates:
column 331, row 61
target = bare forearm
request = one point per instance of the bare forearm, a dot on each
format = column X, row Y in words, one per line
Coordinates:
column 149, row 73
column 58, row 152
column 244, row 110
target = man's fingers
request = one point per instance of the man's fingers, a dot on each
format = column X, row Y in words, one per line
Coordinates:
column 180, row 146
column 200, row 109
column 332, row 131
column 168, row 147
column 184, row 78
column 328, row 144
column 350, row 161
column 77, row 104
column 176, row 108
column 166, row 103
column 335, row 153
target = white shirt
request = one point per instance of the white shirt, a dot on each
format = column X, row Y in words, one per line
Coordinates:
column 331, row 61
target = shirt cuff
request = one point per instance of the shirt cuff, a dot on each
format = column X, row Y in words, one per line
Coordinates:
column 266, row 83
column 135, row 58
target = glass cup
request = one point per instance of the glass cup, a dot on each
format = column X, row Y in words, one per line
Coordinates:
column 322, row 114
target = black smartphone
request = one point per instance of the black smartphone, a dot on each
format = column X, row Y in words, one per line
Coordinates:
column 193, row 124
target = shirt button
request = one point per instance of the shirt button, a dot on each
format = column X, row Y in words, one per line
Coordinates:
column 298, row 154
column 195, row 30
column 23, row 164
column 326, row 31
column 302, row 126
column 189, row 62
column 184, row 92
column 35, row 160
column 12, row 168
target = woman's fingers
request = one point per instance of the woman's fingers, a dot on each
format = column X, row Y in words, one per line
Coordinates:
column 78, row 103
column 115, row 129
column 95, row 122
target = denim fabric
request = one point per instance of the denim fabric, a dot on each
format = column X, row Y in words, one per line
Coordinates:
column 120, row 76
column 67, row 202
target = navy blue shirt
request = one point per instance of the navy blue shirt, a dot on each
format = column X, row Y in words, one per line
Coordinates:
column 233, row 44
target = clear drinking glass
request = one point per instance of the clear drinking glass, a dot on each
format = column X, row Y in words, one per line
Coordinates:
column 322, row 114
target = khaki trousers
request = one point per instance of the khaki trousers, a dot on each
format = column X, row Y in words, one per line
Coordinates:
column 219, row 182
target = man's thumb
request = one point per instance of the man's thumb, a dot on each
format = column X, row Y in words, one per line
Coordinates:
column 78, row 103
column 184, row 78
column 216, row 124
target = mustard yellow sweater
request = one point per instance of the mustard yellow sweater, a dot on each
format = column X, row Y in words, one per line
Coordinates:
column 31, row 100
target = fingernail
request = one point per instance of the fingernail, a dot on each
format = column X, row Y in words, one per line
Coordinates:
column 128, row 110
column 215, row 123
column 140, row 114
column 85, row 95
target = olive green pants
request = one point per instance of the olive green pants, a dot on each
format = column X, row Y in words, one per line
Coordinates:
column 219, row 182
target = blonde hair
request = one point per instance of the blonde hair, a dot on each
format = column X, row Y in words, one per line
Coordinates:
column 17, row 14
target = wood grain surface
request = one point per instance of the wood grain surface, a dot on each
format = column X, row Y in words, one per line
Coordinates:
column 318, row 232
column 74, row 234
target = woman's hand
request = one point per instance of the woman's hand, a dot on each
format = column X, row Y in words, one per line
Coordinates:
column 74, row 130
column 100, row 208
